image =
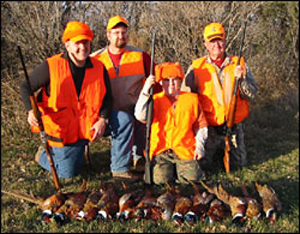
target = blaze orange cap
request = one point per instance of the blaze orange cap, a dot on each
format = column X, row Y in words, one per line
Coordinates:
column 168, row 70
column 77, row 31
column 113, row 21
column 213, row 31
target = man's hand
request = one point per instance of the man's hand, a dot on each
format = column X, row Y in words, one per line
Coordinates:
column 238, row 72
column 150, row 81
column 201, row 137
column 198, row 155
column 32, row 120
column 99, row 129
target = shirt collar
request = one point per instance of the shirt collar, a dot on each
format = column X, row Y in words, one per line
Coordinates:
column 227, row 60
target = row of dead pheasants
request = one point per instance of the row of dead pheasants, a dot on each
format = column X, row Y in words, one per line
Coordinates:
column 212, row 205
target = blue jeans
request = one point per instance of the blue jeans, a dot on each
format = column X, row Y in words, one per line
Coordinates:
column 121, row 129
column 67, row 160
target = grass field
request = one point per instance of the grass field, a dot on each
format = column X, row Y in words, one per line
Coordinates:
column 272, row 141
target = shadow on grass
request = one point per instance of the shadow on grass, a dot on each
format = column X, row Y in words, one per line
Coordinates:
column 288, row 193
column 272, row 130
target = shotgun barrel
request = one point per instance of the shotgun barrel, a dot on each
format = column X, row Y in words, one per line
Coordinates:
column 147, row 177
column 37, row 114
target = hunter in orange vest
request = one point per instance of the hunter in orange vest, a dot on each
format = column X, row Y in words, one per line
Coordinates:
column 128, row 68
column 212, row 78
column 179, row 127
column 75, row 100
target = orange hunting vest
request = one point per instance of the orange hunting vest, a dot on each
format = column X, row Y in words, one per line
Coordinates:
column 127, row 80
column 173, row 129
column 66, row 117
column 214, row 98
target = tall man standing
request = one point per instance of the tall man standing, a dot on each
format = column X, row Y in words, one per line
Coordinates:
column 212, row 77
column 127, row 67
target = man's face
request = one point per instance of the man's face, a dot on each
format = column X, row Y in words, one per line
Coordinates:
column 117, row 36
column 171, row 86
column 216, row 47
column 79, row 50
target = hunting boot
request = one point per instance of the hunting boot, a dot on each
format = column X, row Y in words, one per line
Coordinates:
column 126, row 175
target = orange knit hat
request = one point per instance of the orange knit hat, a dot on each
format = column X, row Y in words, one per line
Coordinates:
column 168, row 70
column 77, row 31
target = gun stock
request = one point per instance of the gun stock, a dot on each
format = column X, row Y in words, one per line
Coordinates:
column 87, row 156
column 37, row 114
column 226, row 157
column 147, row 178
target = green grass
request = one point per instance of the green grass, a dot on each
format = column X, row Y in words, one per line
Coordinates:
column 272, row 142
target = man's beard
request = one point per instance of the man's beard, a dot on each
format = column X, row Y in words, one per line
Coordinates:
column 120, row 44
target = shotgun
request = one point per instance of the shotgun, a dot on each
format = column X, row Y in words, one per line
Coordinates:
column 147, row 176
column 232, row 108
column 37, row 114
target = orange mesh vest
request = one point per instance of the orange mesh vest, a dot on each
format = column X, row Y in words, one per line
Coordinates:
column 173, row 129
column 66, row 117
column 214, row 98
column 127, row 80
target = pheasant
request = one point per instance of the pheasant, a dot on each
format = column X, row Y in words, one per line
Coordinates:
column 72, row 206
column 182, row 206
column 146, row 208
column 217, row 211
column 166, row 202
column 200, row 205
column 126, row 207
column 271, row 204
column 237, row 205
column 48, row 205
column 89, row 210
column 108, row 204
column 253, row 206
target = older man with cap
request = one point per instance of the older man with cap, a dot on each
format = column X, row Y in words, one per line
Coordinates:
column 212, row 77
column 178, row 130
column 127, row 67
column 75, row 100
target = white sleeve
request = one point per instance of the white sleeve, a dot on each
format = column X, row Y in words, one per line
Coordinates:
column 201, row 137
column 141, row 106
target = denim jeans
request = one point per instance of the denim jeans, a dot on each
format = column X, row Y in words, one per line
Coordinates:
column 67, row 160
column 124, row 131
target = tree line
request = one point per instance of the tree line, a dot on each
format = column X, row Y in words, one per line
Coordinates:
column 271, row 43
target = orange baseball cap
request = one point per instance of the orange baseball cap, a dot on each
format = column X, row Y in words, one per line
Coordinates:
column 168, row 70
column 77, row 31
column 213, row 31
column 113, row 21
